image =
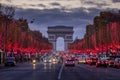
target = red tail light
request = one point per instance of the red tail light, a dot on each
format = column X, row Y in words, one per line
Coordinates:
column 98, row 62
column 66, row 62
column 89, row 60
column 106, row 62
column 115, row 63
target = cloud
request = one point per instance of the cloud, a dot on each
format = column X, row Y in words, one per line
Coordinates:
column 78, row 18
column 95, row 3
column 8, row 1
column 41, row 5
column 56, row 16
column 55, row 4
column 32, row 5
column 67, row 4
column 115, row 1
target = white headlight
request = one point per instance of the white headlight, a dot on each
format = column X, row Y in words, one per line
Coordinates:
column 49, row 60
column 34, row 61
column 45, row 61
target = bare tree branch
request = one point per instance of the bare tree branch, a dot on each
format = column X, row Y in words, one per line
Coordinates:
column 7, row 11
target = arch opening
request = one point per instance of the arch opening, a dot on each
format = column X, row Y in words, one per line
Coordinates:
column 60, row 44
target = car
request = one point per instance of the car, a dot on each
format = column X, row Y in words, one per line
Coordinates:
column 47, row 60
column 81, row 61
column 102, row 62
column 34, row 61
column 54, row 60
column 70, row 62
column 10, row 61
column 117, row 63
column 87, row 60
column 111, row 63
column 92, row 61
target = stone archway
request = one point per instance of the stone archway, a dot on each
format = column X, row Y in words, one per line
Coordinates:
column 60, row 45
column 60, row 31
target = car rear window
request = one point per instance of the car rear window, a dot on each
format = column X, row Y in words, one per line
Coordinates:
column 10, row 59
column 70, row 60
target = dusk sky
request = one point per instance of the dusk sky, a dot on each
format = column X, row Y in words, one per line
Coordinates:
column 76, row 13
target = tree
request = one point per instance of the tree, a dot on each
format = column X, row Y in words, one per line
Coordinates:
column 8, row 12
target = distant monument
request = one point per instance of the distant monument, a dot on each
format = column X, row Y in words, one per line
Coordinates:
column 60, row 31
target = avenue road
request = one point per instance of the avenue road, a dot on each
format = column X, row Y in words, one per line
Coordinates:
column 50, row 71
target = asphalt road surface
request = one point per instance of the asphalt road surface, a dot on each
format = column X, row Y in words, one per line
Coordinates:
column 42, row 71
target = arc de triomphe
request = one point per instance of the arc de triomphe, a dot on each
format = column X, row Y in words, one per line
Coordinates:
column 60, row 31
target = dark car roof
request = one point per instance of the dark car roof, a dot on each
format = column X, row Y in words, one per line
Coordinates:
column 10, row 58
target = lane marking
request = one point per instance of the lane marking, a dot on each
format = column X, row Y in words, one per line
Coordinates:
column 60, row 72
